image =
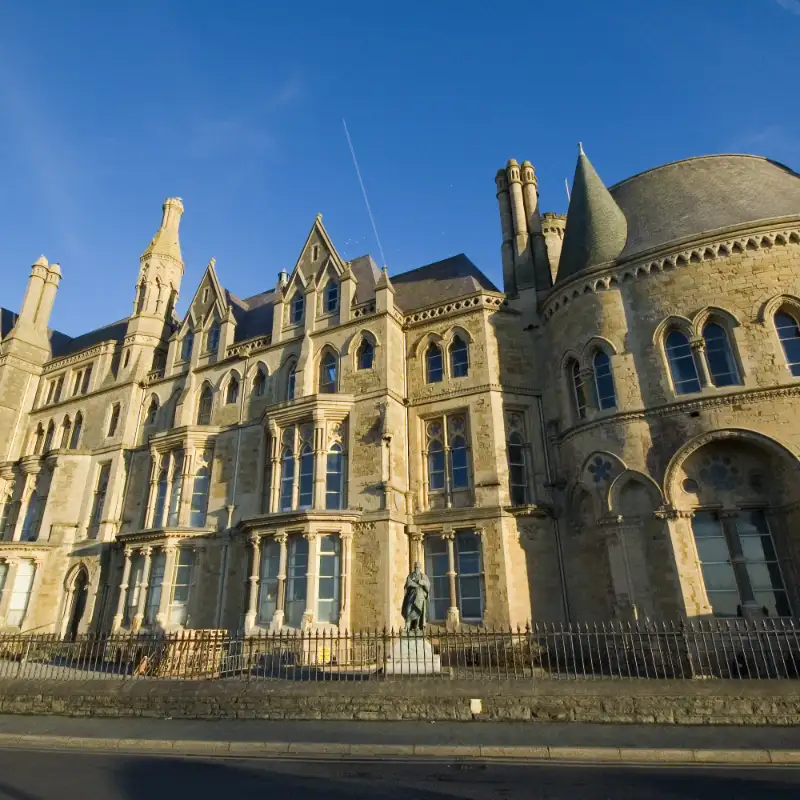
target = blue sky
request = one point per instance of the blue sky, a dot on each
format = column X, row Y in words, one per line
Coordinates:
column 107, row 108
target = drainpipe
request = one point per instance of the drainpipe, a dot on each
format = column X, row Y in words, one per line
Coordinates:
column 548, row 470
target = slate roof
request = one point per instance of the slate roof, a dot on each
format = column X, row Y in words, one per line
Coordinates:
column 701, row 195
column 68, row 346
column 596, row 227
column 253, row 315
column 8, row 319
column 437, row 282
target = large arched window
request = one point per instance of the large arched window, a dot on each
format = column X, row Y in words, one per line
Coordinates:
column 334, row 479
column 578, row 389
column 433, row 363
column 517, row 471
column 75, row 439
column 187, row 345
column 331, row 296
column 365, row 354
column 459, row 471
column 291, row 381
column 305, row 494
column 204, row 406
column 259, row 383
column 197, row 514
column 328, row 369
column 161, row 497
column 232, row 393
column 436, row 466
column 604, row 381
column 287, row 480
column 682, row 366
column 212, row 338
column 719, row 355
column 175, row 490
column 297, row 308
column 789, row 334
column 459, row 364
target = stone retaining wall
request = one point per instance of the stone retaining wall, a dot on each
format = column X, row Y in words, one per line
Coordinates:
column 618, row 701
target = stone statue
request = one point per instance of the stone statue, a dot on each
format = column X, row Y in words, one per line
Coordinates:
column 415, row 601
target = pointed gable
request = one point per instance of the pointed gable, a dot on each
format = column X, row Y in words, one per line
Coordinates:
column 596, row 227
column 210, row 296
column 318, row 251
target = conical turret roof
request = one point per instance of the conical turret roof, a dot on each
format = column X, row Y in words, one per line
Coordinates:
column 596, row 227
column 166, row 241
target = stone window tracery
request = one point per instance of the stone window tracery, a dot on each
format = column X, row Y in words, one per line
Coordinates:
column 297, row 468
column 789, row 335
column 447, row 457
column 517, row 449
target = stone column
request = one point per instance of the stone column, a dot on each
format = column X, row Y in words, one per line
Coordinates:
column 5, row 600
column 311, row 579
column 699, row 353
column 320, row 461
column 149, row 521
column 147, row 552
column 275, row 476
column 252, row 582
column 417, row 548
column 186, row 488
column 280, row 603
column 116, row 623
column 162, row 615
column 453, row 616
column 344, row 584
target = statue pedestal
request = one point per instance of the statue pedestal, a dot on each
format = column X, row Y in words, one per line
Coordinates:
column 412, row 655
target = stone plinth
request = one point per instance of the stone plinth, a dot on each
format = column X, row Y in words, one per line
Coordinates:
column 412, row 655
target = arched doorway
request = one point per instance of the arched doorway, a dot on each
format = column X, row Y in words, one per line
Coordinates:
column 80, row 593
column 740, row 493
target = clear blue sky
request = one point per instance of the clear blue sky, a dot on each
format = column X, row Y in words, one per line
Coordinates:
column 107, row 108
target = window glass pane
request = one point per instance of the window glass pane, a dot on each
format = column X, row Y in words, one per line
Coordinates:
column 175, row 490
column 721, row 365
column 681, row 364
column 724, row 604
column 21, row 593
column 268, row 587
column 161, row 499
column 604, row 381
column 333, row 481
column 436, row 466
column 328, row 374
column 459, row 366
column 178, row 610
column 365, row 355
column 436, row 567
column 306, row 494
column 719, row 576
column 434, row 364
column 705, row 523
column 287, row 480
column 134, row 581
column 712, row 548
column 197, row 516
column 579, row 389
column 775, row 604
column 458, row 459
column 296, row 579
column 154, row 589
column 332, row 297
column 290, row 383
column 298, row 304
column 789, row 334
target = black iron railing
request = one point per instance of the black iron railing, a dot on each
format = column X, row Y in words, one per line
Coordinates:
column 644, row 650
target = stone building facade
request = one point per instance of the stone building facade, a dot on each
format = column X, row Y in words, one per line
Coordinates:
column 614, row 435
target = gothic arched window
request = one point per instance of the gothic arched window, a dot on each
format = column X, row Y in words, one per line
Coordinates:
column 232, row 393
column 152, row 410
column 433, row 363
column 187, row 345
column 287, row 479
column 517, row 470
column 334, row 477
column 197, row 513
column 297, row 308
column 305, row 494
column 175, row 490
column 682, row 366
column 459, row 364
column 789, row 334
column 328, row 370
column 212, row 338
column 604, row 381
column 75, row 439
column 578, row 389
column 161, row 497
column 365, row 354
column 331, row 296
column 291, row 381
column 66, row 430
column 719, row 355
column 204, row 406
column 259, row 384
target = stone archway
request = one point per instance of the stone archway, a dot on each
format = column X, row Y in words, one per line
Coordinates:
column 736, row 499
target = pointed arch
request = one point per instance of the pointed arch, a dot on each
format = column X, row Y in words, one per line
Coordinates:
column 205, row 404
column 713, row 314
column 152, row 410
column 77, row 429
column 421, row 344
column 328, row 370
column 231, row 386
column 625, row 479
column 673, row 322
column 66, row 431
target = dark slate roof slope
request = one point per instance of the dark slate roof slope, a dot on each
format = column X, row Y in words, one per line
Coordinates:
column 253, row 314
column 366, row 272
column 435, row 283
column 701, row 195
column 66, row 346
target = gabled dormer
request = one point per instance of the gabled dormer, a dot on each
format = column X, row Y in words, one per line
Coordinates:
column 216, row 325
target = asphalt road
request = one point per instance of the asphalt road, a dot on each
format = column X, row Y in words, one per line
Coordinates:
column 50, row 775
